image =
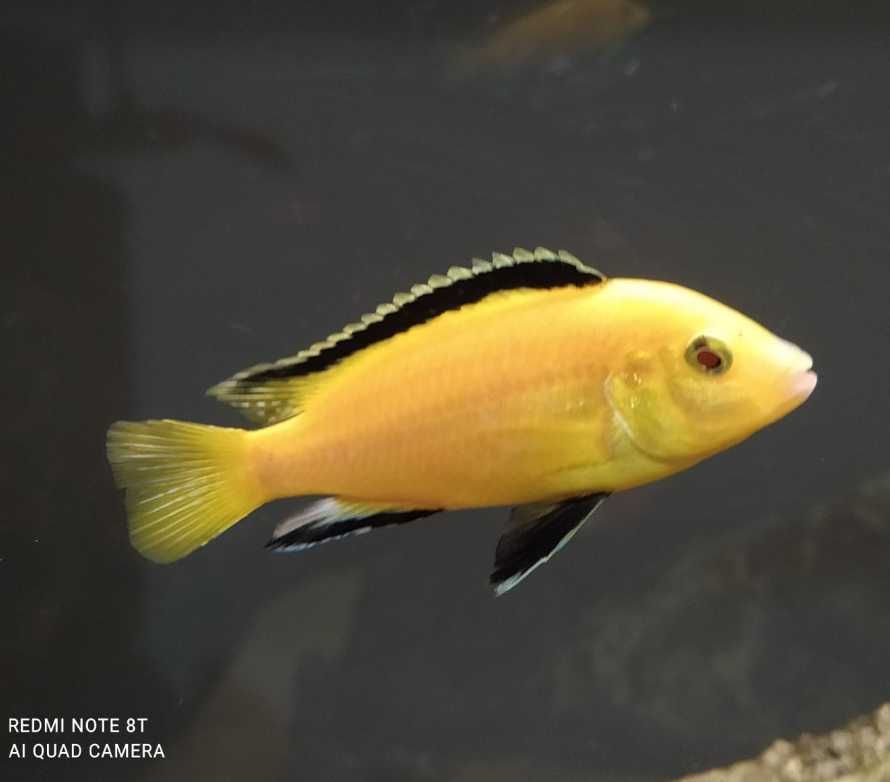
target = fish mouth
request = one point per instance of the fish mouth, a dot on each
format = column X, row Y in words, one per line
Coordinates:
column 801, row 381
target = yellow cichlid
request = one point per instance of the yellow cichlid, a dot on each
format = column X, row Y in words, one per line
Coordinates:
column 529, row 380
column 559, row 28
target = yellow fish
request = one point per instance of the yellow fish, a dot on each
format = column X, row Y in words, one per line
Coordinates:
column 561, row 27
column 529, row 380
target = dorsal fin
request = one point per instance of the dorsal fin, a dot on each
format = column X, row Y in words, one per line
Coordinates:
column 268, row 393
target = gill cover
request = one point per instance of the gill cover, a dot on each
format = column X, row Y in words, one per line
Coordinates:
column 639, row 395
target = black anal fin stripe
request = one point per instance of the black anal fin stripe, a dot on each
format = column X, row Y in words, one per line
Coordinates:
column 297, row 536
column 534, row 534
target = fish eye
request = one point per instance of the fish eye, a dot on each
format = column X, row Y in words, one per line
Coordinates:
column 709, row 355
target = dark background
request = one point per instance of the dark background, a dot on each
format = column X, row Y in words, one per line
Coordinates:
column 189, row 190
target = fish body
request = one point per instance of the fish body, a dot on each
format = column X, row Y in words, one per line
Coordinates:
column 500, row 403
column 559, row 28
column 530, row 381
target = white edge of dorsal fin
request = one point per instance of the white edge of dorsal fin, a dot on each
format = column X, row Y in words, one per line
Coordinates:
column 521, row 254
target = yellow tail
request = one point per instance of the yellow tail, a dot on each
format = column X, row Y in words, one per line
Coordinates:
column 185, row 483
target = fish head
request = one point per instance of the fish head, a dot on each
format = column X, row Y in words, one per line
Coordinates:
column 696, row 377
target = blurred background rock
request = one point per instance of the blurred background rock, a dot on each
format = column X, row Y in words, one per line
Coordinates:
column 858, row 752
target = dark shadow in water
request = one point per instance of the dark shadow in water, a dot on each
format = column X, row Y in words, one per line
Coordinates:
column 74, row 620
column 74, row 606
column 774, row 630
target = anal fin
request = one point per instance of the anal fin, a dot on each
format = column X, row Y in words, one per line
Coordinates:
column 332, row 518
column 534, row 534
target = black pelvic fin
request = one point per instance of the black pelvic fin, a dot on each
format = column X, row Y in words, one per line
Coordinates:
column 442, row 292
column 330, row 519
column 534, row 534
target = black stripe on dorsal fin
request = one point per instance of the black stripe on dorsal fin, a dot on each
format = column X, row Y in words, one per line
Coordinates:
column 442, row 292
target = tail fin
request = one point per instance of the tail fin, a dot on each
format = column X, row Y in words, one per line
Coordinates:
column 185, row 483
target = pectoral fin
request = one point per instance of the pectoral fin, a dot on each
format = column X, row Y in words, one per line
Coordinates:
column 534, row 534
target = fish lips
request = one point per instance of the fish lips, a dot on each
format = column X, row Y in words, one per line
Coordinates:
column 800, row 381
column 803, row 383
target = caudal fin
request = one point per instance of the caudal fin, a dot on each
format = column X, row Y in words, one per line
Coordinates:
column 185, row 483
